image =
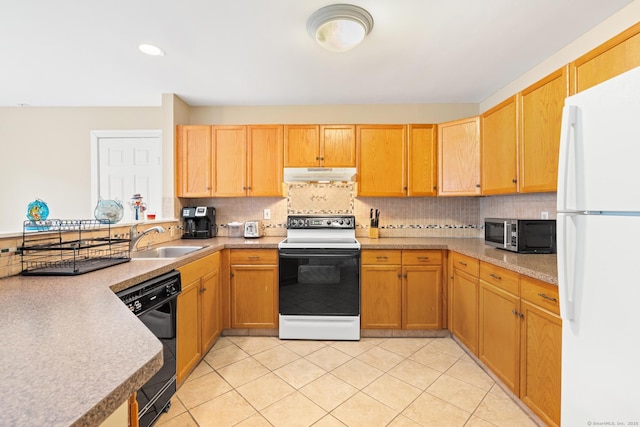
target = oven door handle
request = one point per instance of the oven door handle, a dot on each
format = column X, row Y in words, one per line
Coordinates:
column 303, row 253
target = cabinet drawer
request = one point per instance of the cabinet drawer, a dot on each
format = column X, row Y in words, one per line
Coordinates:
column 466, row 263
column 542, row 294
column 253, row 256
column 381, row 257
column 419, row 257
column 504, row 279
column 196, row 269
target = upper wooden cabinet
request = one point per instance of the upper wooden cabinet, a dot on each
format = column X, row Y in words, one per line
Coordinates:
column 229, row 161
column 422, row 170
column 615, row 56
column 459, row 157
column 193, row 161
column 499, row 146
column 319, row 146
column 541, row 112
column 247, row 160
column 382, row 154
column 264, row 165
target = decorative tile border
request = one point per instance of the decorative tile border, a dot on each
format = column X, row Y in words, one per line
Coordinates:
column 425, row 226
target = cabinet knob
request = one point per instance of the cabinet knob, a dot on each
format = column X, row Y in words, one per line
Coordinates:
column 203, row 289
column 477, row 185
column 322, row 158
column 317, row 158
column 514, row 180
column 399, row 275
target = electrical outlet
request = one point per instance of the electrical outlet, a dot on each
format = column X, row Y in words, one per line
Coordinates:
column 266, row 214
column 544, row 215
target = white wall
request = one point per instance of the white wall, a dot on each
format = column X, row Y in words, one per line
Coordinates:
column 612, row 26
column 333, row 114
column 45, row 153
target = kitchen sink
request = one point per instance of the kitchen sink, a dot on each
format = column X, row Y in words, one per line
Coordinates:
column 164, row 252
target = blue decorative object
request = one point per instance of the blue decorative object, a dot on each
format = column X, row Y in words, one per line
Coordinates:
column 37, row 210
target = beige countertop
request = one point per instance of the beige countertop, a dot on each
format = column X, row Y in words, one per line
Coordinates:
column 72, row 352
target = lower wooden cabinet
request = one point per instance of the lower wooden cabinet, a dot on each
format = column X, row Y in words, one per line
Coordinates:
column 541, row 349
column 519, row 332
column 499, row 323
column 254, row 288
column 199, row 312
column 401, row 289
column 463, row 294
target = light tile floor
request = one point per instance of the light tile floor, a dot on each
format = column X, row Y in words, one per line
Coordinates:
column 264, row 381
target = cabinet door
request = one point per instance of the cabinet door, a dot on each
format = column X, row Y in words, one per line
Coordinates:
column 254, row 296
column 499, row 148
column 499, row 343
column 188, row 329
column 264, row 166
column 540, row 362
column 541, row 118
column 464, row 307
column 421, row 297
column 459, row 158
column 381, row 160
column 193, row 161
column 614, row 57
column 210, row 309
column 301, row 146
column 421, row 165
column 338, row 146
column 230, row 161
column 381, row 302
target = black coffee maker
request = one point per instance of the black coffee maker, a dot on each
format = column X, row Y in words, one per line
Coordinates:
column 199, row 222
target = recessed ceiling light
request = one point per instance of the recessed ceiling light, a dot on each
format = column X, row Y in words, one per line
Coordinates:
column 150, row 49
column 339, row 27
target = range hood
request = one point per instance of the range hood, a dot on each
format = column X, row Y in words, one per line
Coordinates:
column 319, row 174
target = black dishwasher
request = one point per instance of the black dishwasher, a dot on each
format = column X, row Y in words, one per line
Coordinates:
column 154, row 302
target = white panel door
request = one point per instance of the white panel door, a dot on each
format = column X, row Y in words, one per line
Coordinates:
column 128, row 166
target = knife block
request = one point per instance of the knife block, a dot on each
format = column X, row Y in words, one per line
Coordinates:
column 373, row 232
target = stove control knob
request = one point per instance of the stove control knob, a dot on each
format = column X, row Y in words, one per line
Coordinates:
column 341, row 222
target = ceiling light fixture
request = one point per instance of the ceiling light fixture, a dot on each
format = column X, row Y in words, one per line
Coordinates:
column 339, row 27
column 150, row 49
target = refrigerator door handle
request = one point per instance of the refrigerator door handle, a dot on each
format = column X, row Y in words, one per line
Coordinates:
column 567, row 163
column 566, row 228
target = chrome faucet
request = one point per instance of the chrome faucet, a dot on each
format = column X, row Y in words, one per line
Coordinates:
column 135, row 236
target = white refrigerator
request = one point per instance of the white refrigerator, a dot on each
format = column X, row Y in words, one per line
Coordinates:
column 598, row 237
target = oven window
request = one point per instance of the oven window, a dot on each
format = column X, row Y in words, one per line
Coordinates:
column 319, row 284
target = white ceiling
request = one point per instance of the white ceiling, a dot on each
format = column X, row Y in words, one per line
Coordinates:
column 257, row 52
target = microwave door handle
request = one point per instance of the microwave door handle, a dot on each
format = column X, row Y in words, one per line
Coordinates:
column 505, row 241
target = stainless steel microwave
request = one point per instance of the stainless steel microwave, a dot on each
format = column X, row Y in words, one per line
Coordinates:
column 526, row 236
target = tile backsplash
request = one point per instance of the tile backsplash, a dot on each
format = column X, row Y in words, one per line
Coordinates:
column 400, row 217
